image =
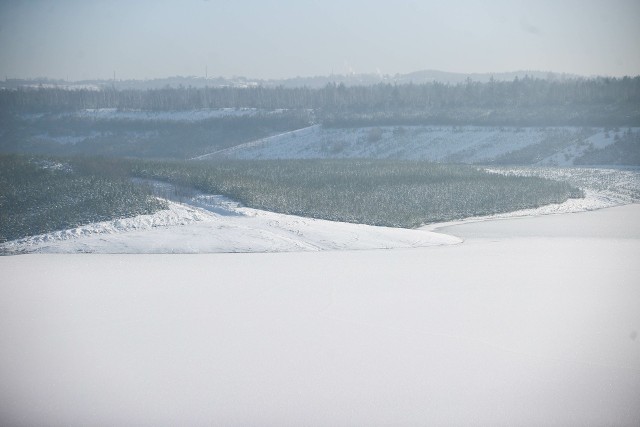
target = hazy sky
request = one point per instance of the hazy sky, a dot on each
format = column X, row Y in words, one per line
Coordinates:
column 80, row 39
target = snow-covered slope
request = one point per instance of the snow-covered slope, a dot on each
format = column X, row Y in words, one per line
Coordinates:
column 461, row 144
column 575, row 150
column 240, row 149
column 414, row 142
column 219, row 225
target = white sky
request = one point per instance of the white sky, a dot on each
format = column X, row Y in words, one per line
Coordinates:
column 81, row 39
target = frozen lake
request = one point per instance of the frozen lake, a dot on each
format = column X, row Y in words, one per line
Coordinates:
column 622, row 222
column 530, row 321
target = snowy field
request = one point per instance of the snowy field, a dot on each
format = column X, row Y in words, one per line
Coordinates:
column 522, row 319
column 530, row 321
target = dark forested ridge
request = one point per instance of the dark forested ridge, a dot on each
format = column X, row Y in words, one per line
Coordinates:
column 526, row 101
column 64, row 135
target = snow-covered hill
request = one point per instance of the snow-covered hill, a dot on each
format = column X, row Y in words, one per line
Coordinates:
column 458, row 144
column 212, row 224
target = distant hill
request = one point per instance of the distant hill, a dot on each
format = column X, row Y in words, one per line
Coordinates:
column 417, row 77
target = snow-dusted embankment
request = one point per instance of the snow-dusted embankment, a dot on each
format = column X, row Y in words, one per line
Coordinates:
column 220, row 225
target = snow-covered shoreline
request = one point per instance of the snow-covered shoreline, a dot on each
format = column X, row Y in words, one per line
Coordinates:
column 593, row 200
column 603, row 188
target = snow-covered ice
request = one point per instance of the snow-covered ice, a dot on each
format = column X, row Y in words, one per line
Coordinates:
column 511, row 328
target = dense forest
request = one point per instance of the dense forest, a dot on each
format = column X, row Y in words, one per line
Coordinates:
column 40, row 195
column 67, row 134
column 526, row 101
column 376, row 192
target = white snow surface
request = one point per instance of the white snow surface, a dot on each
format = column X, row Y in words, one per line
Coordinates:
column 514, row 327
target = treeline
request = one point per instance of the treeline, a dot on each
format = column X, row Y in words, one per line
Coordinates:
column 606, row 101
column 40, row 195
column 383, row 192
column 138, row 138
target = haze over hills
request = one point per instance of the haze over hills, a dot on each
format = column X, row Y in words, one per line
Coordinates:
column 174, row 118
column 353, row 79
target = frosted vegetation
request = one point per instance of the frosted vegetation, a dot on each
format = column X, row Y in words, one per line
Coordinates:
column 389, row 193
column 618, row 186
column 40, row 195
column 175, row 134
column 38, row 198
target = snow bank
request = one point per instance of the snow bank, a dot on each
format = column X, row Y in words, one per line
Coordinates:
column 221, row 225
